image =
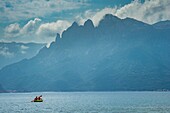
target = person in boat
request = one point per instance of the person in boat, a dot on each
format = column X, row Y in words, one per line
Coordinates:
column 39, row 98
column 36, row 98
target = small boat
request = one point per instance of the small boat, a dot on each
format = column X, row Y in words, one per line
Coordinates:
column 37, row 99
column 41, row 100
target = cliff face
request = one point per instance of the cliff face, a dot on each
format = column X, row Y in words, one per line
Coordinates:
column 119, row 54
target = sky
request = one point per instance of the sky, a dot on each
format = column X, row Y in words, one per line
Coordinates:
column 40, row 20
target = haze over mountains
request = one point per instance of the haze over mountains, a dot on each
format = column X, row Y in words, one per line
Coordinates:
column 14, row 52
column 118, row 54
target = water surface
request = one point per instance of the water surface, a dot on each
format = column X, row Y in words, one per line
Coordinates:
column 86, row 102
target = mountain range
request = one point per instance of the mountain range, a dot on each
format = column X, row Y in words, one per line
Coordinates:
column 117, row 55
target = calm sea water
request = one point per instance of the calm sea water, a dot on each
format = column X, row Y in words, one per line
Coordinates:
column 86, row 102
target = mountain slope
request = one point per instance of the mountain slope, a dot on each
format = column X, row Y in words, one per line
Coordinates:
column 119, row 54
column 2, row 89
column 14, row 52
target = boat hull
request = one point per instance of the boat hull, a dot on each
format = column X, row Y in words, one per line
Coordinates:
column 37, row 101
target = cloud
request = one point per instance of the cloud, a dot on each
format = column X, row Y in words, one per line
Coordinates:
column 14, row 30
column 4, row 51
column 24, row 47
column 30, row 26
column 51, row 29
column 23, row 33
column 151, row 11
column 35, row 31
column 95, row 16
column 15, row 10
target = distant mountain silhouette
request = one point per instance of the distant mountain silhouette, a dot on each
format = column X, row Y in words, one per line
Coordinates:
column 14, row 52
column 117, row 55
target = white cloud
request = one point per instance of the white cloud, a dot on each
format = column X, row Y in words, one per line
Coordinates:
column 151, row 11
column 26, row 33
column 95, row 16
column 24, row 47
column 12, row 30
column 51, row 29
column 35, row 31
column 4, row 51
column 30, row 26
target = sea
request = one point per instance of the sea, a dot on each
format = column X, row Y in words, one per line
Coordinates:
column 86, row 102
